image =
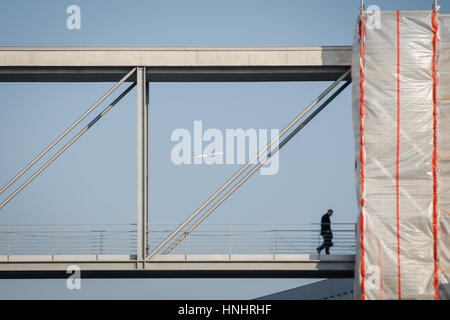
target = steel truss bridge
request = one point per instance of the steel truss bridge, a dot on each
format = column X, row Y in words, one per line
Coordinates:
column 192, row 248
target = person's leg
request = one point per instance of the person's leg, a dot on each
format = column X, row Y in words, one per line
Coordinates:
column 327, row 244
column 322, row 246
column 319, row 249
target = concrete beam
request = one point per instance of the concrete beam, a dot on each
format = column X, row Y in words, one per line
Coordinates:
column 179, row 64
column 181, row 266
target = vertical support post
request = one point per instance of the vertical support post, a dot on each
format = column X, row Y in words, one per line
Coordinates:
column 146, row 164
column 141, row 196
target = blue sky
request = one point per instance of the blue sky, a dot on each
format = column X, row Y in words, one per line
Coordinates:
column 95, row 180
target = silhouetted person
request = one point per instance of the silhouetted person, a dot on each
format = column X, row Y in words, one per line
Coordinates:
column 325, row 232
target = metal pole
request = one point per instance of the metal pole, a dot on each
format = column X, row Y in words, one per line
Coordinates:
column 246, row 166
column 96, row 241
column 67, row 145
column 141, row 162
column 276, row 241
column 9, row 245
column 310, row 117
column 146, row 193
column 73, row 125
column 256, row 168
column 435, row 5
column 101, row 241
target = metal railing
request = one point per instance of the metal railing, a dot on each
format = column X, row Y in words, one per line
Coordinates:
column 206, row 239
column 256, row 238
column 68, row 239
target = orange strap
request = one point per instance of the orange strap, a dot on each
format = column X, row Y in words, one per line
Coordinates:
column 435, row 159
column 362, row 32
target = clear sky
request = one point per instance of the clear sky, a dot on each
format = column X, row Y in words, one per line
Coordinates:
column 95, row 180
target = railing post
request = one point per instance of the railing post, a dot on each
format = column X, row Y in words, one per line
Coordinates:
column 231, row 239
column 276, row 242
column 53, row 240
column 96, row 242
column 101, row 241
column 188, row 247
column 318, row 238
column 57, row 243
column 9, row 245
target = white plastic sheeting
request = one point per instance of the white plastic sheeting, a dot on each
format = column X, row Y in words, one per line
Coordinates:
column 401, row 116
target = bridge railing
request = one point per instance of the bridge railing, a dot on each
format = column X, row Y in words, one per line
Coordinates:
column 67, row 239
column 206, row 239
column 256, row 238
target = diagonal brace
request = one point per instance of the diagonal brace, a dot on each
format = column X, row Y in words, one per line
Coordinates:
column 67, row 145
column 249, row 163
column 62, row 135
column 257, row 167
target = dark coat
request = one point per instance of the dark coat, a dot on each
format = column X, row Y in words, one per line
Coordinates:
column 325, row 226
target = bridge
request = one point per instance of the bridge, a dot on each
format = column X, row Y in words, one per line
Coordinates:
column 215, row 251
column 190, row 249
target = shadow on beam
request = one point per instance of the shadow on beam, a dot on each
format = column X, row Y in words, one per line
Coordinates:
column 201, row 274
column 173, row 74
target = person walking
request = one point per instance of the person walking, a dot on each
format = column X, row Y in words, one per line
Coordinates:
column 325, row 232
